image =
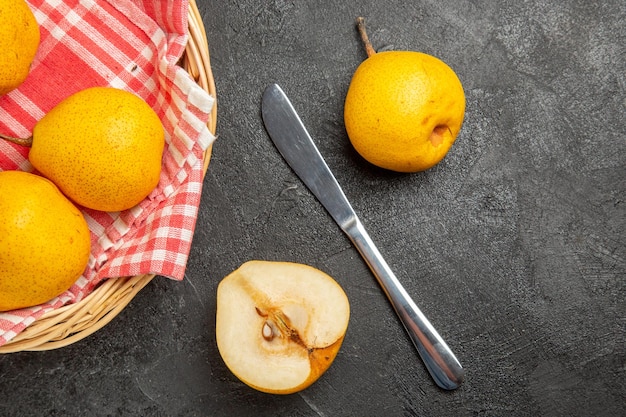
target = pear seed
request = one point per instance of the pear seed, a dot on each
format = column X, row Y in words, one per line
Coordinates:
column 268, row 333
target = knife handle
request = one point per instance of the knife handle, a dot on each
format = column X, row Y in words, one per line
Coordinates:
column 439, row 359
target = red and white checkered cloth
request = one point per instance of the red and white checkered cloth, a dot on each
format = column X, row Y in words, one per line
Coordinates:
column 132, row 45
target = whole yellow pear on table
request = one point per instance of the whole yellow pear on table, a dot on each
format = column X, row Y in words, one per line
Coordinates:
column 279, row 325
column 101, row 146
column 19, row 40
column 44, row 241
column 403, row 109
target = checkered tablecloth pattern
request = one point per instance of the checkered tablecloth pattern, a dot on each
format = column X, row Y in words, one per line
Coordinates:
column 133, row 45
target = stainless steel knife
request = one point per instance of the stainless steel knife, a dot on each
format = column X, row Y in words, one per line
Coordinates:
column 296, row 146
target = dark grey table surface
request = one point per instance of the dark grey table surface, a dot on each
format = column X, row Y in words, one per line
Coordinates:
column 514, row 245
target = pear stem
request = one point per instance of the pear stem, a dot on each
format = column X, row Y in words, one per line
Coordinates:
column 28, row 142
column 360, row 24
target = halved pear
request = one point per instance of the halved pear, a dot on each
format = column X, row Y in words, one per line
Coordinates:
column 279, row 325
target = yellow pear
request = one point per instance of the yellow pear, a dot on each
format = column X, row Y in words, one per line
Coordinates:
column 279, row 325
column 101, row 146
column 403, row 109
column 44, row 241
column 19, row 41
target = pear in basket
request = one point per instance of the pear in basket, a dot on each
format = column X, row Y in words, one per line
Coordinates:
column 44, row 241
column 101, row 146
column 19, row 41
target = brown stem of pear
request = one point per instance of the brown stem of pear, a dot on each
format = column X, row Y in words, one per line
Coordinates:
column 28, row 142
column 360, row 24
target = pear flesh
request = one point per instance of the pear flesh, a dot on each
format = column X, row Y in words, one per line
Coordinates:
column 279, row 325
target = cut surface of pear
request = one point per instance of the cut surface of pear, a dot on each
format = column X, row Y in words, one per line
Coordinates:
column 279, row 325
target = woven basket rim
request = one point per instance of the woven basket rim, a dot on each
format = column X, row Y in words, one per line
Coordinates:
column 73, row 322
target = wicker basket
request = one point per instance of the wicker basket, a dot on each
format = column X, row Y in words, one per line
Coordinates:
column 74, row 322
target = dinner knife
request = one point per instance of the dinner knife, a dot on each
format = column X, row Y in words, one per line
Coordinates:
column 296, row 146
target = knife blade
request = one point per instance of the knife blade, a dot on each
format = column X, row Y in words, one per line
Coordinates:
column 294, row 143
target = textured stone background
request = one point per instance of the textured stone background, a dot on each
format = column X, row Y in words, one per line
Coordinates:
column 513, row 246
